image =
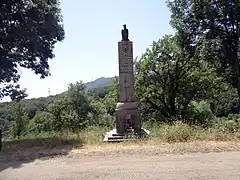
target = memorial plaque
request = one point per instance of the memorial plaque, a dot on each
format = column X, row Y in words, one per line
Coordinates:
column 125, row 65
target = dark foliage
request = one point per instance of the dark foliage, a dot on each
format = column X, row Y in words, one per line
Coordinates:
column 28, row 32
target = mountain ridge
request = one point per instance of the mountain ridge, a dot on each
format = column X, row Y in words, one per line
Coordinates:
column 99, row 82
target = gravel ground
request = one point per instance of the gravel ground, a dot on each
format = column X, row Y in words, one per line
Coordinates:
column 117, row 165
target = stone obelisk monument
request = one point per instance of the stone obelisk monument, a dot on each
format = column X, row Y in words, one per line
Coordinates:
column 128, row 120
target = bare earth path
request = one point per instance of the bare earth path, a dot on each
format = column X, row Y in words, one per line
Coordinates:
column 213, row 165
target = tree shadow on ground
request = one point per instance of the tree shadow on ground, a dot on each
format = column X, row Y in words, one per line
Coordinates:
column 18, row 152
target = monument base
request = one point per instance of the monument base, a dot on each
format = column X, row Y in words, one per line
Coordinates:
column 128, row 123
column 113, row 136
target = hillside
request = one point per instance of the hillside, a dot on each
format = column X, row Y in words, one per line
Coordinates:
column 97, row 83
column 35, row 104
column 100, row 82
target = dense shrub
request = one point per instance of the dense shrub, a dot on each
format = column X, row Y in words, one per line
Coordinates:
column 230, row 124
column 225, row 103
column 199, row 113
column 42, row 122
column 99, row 115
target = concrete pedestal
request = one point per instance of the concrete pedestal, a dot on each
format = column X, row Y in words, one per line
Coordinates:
column 128, row 123
column 128, row 116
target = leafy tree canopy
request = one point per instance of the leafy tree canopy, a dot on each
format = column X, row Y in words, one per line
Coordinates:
column 214, row 25
column 28, row 32
column 168, row 79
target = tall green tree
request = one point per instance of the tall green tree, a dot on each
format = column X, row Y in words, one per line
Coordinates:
column 99, row 116
column 28, row 32
column 59, row 109
column 42, row 122
column 19, row 119
column 5, row 117
column 111, row 98
column 168, row 80
column 79, row 103
column 97, row 93
column 212, row 24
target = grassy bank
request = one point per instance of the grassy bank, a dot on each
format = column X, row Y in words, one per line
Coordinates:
column 159, row 133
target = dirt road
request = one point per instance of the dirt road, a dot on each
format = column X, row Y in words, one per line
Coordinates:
column 223, row 165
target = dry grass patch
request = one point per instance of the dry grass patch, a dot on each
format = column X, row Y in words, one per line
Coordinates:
column 156, row 148
column 184, row 132
column 179, row 138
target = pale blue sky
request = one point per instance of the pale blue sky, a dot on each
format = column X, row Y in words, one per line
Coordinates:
column 93, row 28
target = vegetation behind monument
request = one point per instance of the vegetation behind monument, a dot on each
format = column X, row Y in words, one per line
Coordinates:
column 173, row 83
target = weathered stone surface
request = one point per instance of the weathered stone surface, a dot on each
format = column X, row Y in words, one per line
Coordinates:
column 113, row 136
column 127, row 105
column 126, row 83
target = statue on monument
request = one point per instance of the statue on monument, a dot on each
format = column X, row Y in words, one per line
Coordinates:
column 125, row 33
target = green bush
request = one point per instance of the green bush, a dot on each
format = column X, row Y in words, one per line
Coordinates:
column 99, row 116
column 178, row 133
column 227, row 125
column 19, row 119
column 225, row 103
column 42, row 122
column 199, row 113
